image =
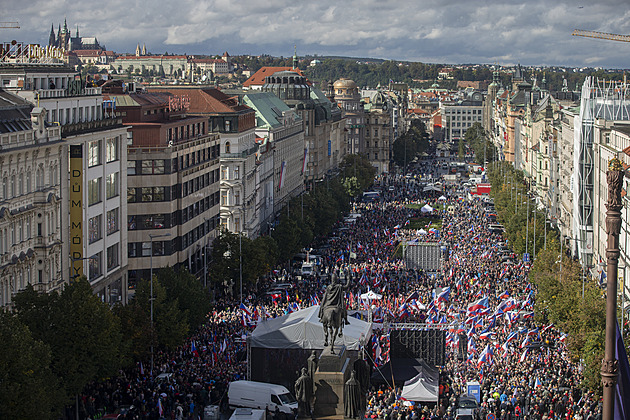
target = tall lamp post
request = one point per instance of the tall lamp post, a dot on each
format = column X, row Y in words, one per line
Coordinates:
column 610, row 368
column 151, row 236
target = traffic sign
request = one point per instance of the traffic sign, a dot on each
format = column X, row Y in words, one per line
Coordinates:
column 490, row 416
column 526, row 257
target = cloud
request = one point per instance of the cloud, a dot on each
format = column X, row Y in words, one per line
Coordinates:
column 447, row 31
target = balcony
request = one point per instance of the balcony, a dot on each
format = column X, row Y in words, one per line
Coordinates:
column 90, row 126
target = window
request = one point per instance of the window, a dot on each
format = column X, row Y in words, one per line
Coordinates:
column 21, row 184
column 111, row 151
column 131, row 195
column 111, row 185
column 112, row 221
column 131, row 167
column 112, row 257
column 224, row 198
column 152, row 194
column 150, row 167
column 94, row 191
column 131, row 223
column 94, row 153
column 154, row 221
column 96, row 268
column 158, row 248
column 94, row 228
column 237, row 170
column 28, row 181
column 146, row 249
column 227, row 147
column 237, row 198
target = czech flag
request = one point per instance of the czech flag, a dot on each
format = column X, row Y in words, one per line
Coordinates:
column 478, row 305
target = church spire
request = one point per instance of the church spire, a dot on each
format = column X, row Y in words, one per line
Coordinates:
column 65, row 25
column 144, row 49
column 77, row 31
column 51, row 38
column 295, row 58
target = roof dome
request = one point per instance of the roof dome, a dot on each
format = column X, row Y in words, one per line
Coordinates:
column 345, row 84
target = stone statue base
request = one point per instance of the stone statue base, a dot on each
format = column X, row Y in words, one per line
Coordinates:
column 333, row 370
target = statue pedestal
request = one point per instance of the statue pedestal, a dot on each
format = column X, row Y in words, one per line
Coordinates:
column 333, row 370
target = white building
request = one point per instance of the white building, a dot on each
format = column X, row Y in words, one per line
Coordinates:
column 93, row 237
column 30, row 199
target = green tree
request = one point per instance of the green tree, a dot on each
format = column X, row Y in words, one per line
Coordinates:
column 188, row 292
column 28, row 387
column 169, row 322
column 83, row 334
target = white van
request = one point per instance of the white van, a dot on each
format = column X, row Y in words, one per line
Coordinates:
column 261, row 395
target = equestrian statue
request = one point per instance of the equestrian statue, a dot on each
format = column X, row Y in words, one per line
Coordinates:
column 332, row 311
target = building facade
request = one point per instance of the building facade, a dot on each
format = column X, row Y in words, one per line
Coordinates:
column 348, row 98
column 30, row 208
column 173, row 184
column 78, row 110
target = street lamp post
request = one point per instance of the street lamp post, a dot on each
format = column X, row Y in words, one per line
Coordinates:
column 610, row 369
column 151, row 236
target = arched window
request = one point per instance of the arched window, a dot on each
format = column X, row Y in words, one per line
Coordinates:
column 39, row 178
column 227, row 147
column 21, row 183
column 28, row 181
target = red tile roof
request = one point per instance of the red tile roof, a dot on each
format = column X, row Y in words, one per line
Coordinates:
column 258, row 78
column 87, row 53
column 204, row 100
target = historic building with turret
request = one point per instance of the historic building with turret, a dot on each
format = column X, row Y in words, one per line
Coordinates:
column 64, row 39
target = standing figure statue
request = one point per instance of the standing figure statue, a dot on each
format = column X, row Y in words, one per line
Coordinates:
column 311, row 364
column 304, row 393
column 352, row 398
column 332, row 311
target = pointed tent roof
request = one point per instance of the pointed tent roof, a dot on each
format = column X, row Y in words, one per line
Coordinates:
column 420, row 388
column 302, row 330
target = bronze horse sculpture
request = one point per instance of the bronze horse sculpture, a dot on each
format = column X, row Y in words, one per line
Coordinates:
column 332, row 312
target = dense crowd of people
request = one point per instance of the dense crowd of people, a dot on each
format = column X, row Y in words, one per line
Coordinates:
column 483, row 302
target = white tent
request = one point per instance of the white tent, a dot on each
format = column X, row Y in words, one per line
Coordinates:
column 420, row 388
column 442, row 198
column 426, row 209
column 302, row 330
column 421, row 232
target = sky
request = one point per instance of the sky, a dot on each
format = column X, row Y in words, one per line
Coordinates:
column 532, row 33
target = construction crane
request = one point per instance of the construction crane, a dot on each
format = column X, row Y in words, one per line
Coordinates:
column 601, row 35
column 9, row 25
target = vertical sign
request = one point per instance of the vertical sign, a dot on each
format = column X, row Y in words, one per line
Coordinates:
column 76, row 211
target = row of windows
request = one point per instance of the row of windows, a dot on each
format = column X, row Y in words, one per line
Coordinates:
column 112, row 188
column 95, row 225
column 75, row 114
column 95, row 151
column 186, row 131
column 153, row 194
column 22, row 183
column 161, row 166
column 462, row 111
column 143, row 249
column 167, row 220
column 21, row 230
column 95, row 262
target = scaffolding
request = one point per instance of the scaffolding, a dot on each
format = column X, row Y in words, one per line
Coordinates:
column 601, row 100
